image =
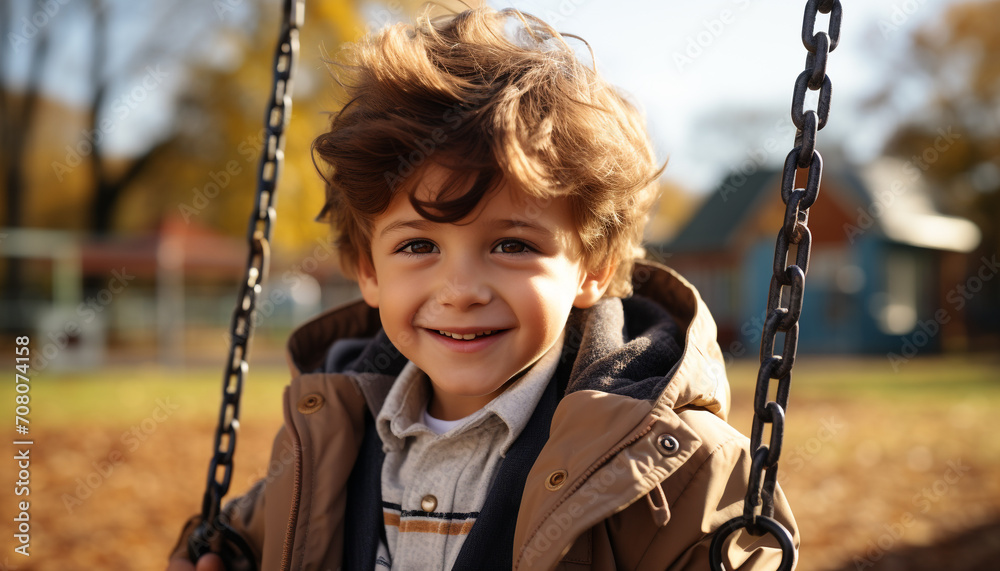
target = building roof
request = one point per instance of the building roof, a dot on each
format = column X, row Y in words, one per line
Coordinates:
column 899, row 202
column 896, row 200
column 714, row 224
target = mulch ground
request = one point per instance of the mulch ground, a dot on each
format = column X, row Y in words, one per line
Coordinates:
column 913, row 484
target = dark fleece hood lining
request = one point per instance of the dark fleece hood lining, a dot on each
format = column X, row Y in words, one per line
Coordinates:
column 635, row 360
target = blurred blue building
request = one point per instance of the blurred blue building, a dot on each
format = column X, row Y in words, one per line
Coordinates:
column 885, row 271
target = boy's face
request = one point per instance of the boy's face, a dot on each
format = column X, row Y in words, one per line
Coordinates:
column 475, row 303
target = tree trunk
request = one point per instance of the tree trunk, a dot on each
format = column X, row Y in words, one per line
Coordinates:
column 16, row 125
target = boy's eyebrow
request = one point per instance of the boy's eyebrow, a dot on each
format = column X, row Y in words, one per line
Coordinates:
column 508, row 224
column 424, row 224
column 415, row 223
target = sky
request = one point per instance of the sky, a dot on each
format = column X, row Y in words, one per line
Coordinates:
column 142, row 112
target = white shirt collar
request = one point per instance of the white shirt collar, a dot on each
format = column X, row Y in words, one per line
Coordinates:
column 402, row 413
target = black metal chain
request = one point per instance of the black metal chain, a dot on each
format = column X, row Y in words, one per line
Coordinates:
column 212, row 532
column 784, row 317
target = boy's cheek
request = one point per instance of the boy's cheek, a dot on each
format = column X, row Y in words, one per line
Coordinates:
column 403, row 340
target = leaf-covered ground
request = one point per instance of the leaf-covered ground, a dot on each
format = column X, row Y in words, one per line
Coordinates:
column 885, row 470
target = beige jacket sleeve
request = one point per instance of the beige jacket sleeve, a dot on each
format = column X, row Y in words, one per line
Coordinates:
column 700, row 498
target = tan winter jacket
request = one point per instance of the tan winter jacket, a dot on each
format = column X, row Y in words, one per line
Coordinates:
column 638, row 469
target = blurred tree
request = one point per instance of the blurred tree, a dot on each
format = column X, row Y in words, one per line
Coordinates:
column 210, row 168
column 140, row 112
column 675, row 205
column 110, row 57
column 16, row 113
column 955, row 140
column 109, row 183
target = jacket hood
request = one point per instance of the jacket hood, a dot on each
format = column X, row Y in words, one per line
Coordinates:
column 657, row 345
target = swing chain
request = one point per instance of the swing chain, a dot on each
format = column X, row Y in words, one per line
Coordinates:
column 758, row 507
column 213, row 532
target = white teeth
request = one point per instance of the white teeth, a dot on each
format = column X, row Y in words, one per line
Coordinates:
column 464, row 336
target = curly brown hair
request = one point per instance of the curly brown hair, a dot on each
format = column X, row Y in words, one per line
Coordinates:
column 496, row 97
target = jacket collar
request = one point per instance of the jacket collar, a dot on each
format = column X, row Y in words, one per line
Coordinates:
column 698, row 379
column 308, row 344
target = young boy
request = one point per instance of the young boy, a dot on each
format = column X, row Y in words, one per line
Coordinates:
column 514, row 391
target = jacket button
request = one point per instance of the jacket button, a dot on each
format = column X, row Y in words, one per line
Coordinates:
column 310, row 403
column 428, row 503
column 668, row 444
column 556, row 480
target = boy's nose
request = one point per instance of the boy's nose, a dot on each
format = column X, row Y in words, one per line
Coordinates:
column 464, row 286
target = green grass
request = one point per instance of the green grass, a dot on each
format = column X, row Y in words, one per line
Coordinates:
column 124, row 395
column 925, row 380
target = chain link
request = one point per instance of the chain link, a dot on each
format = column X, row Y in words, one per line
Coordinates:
column 213, row 531
column 784, row 300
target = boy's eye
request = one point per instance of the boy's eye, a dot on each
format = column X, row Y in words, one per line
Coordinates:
column 511, row 247
column 418, row 247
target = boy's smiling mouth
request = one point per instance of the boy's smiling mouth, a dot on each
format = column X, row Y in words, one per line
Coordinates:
column 468, row 336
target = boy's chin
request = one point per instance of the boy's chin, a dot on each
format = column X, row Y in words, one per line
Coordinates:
column 455, row 389
column 446, row 405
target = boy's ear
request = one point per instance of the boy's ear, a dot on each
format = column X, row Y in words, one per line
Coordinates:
column 593, row 286
column 368, row 281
